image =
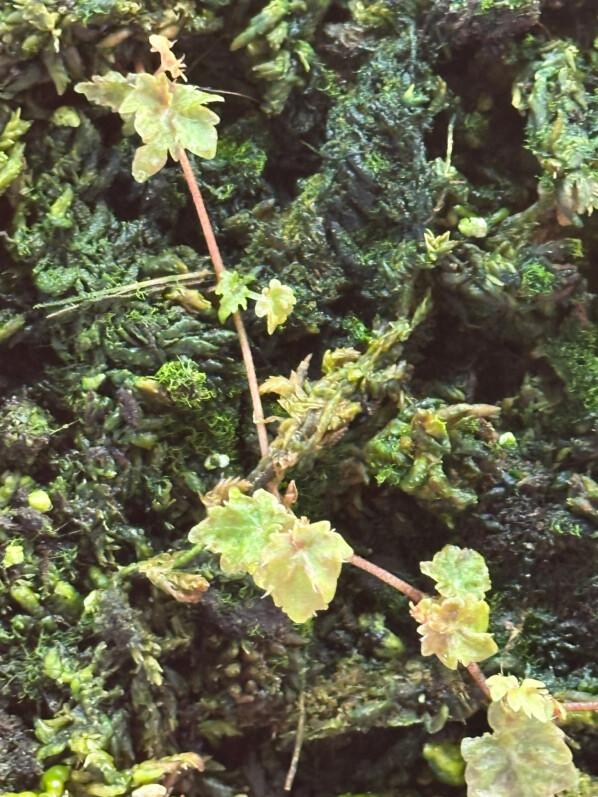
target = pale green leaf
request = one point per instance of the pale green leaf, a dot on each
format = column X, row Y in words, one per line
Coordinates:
column 454, row 629
column 194, row 124
column 276, row 303
column 300, row 567
column 166, row 115
column 531, row 697
column 521, row 758
column 241, row 529
column 110, row 89
column 148, row 160
column 233, row 290
column 168, row 61
column 458, row 572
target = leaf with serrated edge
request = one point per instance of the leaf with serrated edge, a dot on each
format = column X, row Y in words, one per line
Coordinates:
column 458, row 572
column 241, row 529
column 110, row 89
column 168, row 116
column 276, row 302
column 521, row 758
column 454, row 629
column 193, row 122
column 233, row 290
column 300, row 568
column 531, row 697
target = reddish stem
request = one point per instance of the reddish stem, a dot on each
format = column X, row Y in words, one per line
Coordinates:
column 416, row 596
column 590, row 705
column 202, row 214
column 387, row 577
column 478, row 677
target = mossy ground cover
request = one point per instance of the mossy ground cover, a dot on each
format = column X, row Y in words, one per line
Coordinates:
column 427, row 165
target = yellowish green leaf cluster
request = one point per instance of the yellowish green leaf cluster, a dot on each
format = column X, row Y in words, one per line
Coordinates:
column 532, row 697
column 11, row 149
column 454, row 627
column 297, row 562
column 275, row 302
column 167, row 115
column 522, row 757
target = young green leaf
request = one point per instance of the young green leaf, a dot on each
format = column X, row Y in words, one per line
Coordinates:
column 110, row 89
column 521, row 758
column 454, row 629
column 232, row 287
column 458, row 572
column 532, row 697
column 241, row 529
column 300, row 567
column 168, row 61
column 166, row 115
column 276, row 302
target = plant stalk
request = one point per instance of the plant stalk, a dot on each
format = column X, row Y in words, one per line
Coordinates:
column 208, row 232
column 478, row 677
column 590, row 705
column 387, row 577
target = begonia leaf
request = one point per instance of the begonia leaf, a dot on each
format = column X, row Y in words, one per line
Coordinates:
column 110, row 89
column 241, row 529
column 458, row 572
column 233, row 290
column 168, row 116
column 454, row 629
column 300, row 568
column 532, row 697
column 523, row 757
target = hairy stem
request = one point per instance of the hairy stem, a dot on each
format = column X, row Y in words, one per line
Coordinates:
column 387, row 577
column 202, row 214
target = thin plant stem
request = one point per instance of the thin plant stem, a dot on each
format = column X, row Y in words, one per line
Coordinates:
column 416, row 595
column 590, row 705
column 288, row 784
column 208, row 232
column 387, row 577
column 478, row 677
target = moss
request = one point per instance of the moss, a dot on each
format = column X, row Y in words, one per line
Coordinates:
column 536, row 279
column 184, row 382
column 554, row 88
column 574, row 356
column 372, row 131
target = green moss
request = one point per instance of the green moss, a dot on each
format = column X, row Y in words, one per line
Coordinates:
column 574, row 356
column 557, row 92
column 446, row 762
column 536, row 279
column 417, row 452
column 184, row 382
